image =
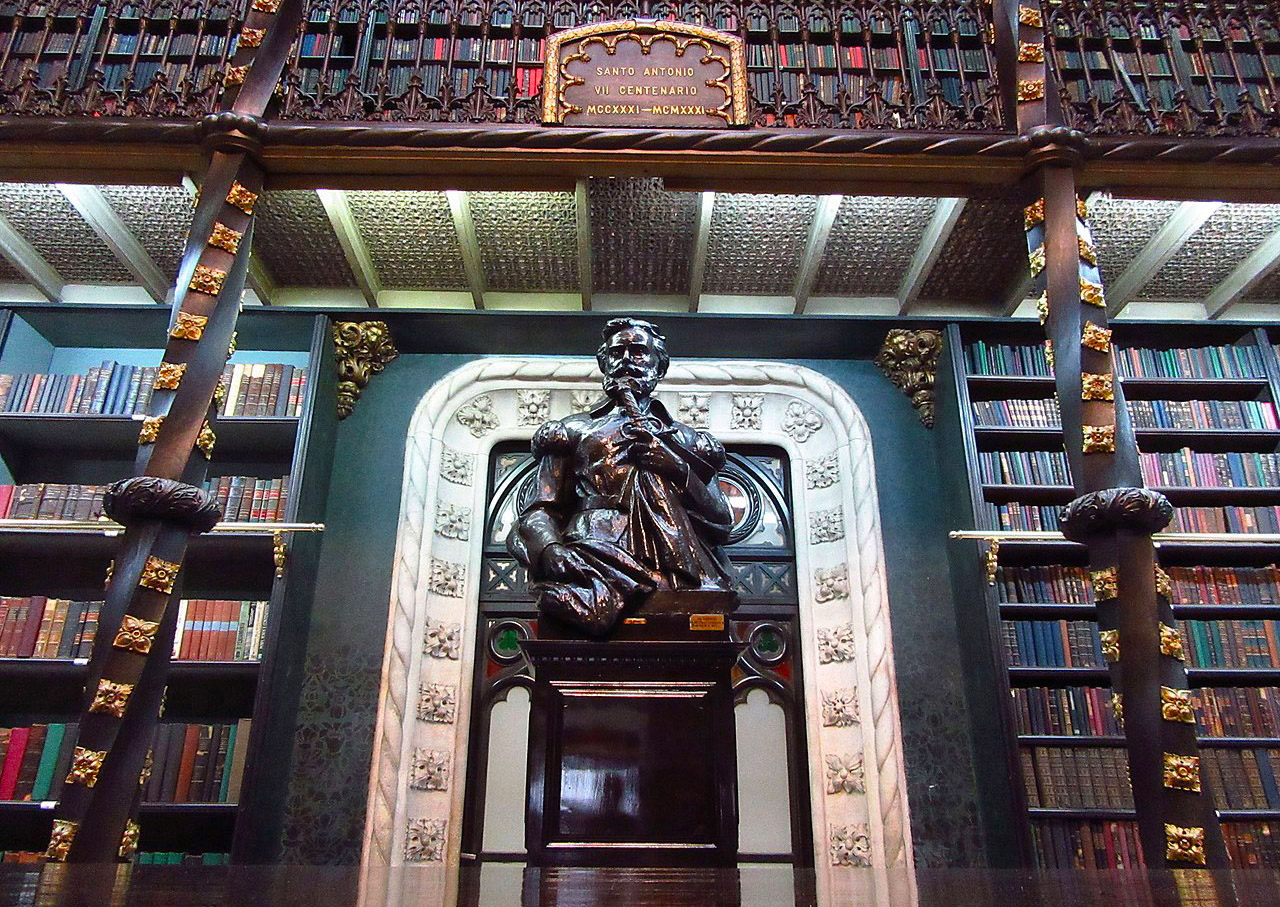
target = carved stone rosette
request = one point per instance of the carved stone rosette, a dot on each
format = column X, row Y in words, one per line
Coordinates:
column 362, row 349
column 910, row 360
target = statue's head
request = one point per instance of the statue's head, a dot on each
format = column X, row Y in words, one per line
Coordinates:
column 633, row 356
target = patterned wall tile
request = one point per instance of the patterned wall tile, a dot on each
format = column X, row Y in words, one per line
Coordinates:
column 641, row 236
column 325, row 816
column 872, row 242
column 528, row 240
column 43, row 217
column 159, row 216
column 756, row 242
column 295, row 239
column 1213, row 252
column 984, row 257
column 1122, row 227
column 411, row 238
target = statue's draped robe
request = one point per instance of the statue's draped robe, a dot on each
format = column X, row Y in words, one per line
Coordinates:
column 628, row 531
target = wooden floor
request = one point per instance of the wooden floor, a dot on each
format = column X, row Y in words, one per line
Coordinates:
column 515, row 886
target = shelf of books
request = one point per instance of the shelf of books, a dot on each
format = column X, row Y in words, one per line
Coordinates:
column 70, row 409
column 47, row 40
column 1214, row 57
column 187, row 44
column 1206, row 422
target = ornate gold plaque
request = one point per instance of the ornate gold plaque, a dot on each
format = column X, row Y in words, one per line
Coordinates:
column 1110, row 644
column 189, row 327
column 1030, row 52
column 1030, row 89
column 1106, row 584
column 1182, row 772
column 150, row 429
column 223, row 237
column 206, row 440
column 645, row 73
column 1164, row 583
column 129, row 840
column 207, row 280
column 1033, row 214
column 1099, row 439
column 1096, row 387
column 241, row 197
column 1175, row 705
column 252, row 37
column 1171, row 643
column 706, row 621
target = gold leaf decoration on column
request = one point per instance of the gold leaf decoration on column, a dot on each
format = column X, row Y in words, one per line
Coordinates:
column 362, row 349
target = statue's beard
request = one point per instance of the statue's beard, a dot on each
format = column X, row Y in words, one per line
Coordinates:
column 636, row 385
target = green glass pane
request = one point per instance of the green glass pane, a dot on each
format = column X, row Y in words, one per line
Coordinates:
column 767, row 642
column 508, row 642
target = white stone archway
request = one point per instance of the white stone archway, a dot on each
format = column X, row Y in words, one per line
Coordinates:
column 420, row 750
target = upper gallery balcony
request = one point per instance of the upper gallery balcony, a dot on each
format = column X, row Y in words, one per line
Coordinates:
column 1172, row 68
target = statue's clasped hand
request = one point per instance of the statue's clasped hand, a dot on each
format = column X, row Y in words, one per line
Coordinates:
column 655, row 455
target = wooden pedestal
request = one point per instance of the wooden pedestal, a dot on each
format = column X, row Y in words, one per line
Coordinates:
column 632, row 753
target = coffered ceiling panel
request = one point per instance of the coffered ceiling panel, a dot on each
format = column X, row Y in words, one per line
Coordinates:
column 1213, row 252
column 641, row 236
column 756, row 242
column 411, row 238
column 1267, row 289
column 293, row 237
column 44, row 217
column 985, row 256
column 528, row 240
column 1122, row 227
column 160, row 218
column 872, row 242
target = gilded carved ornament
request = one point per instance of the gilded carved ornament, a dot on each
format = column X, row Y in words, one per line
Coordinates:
column 362, row 349
column 240, row 197
column 1096, row 387
column 1030, row 15
column 910, row 360
column 159, row 574
column 1184, row 845
column 1030, row 52
column 129, row 840
column 1106, row 584
column 223, row 237
column 1099, row 439
column 85, row 765
column 136, row 634
column 1091, row 293
column 189, row 327
column 1110, row 645
column 1175, row 705
column 207, row 280
column 251, row 37
column 1182, row 772
column 1095, row 337
column 150, row 429
column 1030, row 89
column 64, row 832
column 111, row 698
column 1171, row 643
column 235, row 75
column 1164, row 583
column 206, row 440
column 170, row 375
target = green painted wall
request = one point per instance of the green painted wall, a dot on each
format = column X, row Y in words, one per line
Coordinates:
column 338, row 709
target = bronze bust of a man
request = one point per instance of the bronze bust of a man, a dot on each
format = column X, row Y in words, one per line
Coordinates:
column 627, row 503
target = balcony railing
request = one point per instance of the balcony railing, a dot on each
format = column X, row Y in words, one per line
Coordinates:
column 1189, row 68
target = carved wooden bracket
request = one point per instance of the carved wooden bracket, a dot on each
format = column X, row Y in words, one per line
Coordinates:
column 910, row 360
column 362, row 349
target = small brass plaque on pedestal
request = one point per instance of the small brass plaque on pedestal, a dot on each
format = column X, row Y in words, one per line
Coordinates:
column 706, row 621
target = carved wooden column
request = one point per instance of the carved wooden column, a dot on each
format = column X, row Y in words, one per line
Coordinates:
column 162, row 506
column 1113, row 514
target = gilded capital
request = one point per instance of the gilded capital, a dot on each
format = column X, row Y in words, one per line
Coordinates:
column 362, row 349
column 910, row 360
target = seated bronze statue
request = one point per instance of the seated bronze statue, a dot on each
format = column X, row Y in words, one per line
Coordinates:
column 627, row 503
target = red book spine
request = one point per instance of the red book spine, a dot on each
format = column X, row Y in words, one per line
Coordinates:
column 13, row 761
column 189, row 745
column 31, row 627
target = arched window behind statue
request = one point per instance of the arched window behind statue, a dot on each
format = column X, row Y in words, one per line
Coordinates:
column 755, row 482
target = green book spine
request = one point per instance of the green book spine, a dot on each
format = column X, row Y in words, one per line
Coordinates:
column 44, row 774
column 226, row 771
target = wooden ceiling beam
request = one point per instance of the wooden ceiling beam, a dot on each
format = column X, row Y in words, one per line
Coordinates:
column 1182, row 224
column 29, row 263
column 946, row 212
column 698, row 266
column 582, row 220
column 353, row 245
column 815, row 247
column 260, row 279
column 1246, row 275
column 465, row 226
column 97, row 212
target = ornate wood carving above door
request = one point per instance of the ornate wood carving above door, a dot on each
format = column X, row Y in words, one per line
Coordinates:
column 850, row 694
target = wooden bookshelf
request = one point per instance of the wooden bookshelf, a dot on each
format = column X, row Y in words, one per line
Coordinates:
column 1048, row 661
column 67, row 559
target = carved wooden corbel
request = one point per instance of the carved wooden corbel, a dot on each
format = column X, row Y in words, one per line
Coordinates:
column 910, row 360
column 362, row 349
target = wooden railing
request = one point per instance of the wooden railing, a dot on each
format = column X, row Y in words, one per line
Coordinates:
column 1190, row 68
